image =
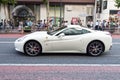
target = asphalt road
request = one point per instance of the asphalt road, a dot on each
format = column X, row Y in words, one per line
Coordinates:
column 17, row 66
column 8, row 55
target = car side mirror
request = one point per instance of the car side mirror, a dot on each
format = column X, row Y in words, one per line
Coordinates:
column 61, row 35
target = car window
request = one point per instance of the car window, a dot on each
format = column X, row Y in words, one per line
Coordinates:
column 74, row 31
column 70, row 31
column 55, row 31
column 84, row 31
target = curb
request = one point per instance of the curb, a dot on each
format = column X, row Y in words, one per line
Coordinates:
column 18, row 34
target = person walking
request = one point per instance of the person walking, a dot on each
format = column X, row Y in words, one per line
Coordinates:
column 97, row 25
column 1, row 24
column 112, row 26
column 20, row 27
column 4, row 24
column 8, row 25
column 88, row 24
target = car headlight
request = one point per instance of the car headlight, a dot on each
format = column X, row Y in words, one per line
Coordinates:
column 21, row 39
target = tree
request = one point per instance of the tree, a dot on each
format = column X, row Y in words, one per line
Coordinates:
column 7, row 1
column 45, row 1
column 117, row 3
column 118, row 6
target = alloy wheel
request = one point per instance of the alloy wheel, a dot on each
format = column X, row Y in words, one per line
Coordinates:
column 32, row 48
column 95, row 48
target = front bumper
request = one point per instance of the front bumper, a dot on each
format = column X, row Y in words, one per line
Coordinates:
column 19, row 46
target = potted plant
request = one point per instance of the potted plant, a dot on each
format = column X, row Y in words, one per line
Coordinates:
column 27, row 29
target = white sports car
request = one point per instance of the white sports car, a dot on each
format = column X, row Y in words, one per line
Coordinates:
column 72, row 38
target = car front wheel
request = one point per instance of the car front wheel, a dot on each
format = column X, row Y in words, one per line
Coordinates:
column 32, row 48
column 95, row 48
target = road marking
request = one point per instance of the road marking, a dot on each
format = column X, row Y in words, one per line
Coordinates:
column 111, row 55
column 62, row 65
column 6, row 42
column 116, row 43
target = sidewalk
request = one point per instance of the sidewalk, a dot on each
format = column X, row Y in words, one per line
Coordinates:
column 116, row 36
column 59, row 72
column 17, row 35
column 11, row 35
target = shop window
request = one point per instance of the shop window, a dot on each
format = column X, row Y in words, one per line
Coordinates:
column 105, row 5
column 99, row 6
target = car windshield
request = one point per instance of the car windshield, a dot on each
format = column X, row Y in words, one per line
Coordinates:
column 55, row 31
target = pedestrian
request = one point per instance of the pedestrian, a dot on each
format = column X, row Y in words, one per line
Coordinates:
column 8, row 25
column 91, row 24
column 4, row 24
column 40, row 25
column 107, row 26
column 29, row 23
column 103, row 24
column 112, row 26
column 11, row 24
column 119, row 27
column 79, row 22
column 20, row 27
column 50, row 25
column 88, row 24
column 1, row 24
column 45, row 25
column 97, row 25
column 66, row 23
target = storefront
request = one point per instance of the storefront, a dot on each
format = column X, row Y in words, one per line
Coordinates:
column 22, row 13
column 58, row 10
column 114, row 15
column 56, row 14
column 109, row 11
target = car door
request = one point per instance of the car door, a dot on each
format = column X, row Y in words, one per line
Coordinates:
column 66, row 40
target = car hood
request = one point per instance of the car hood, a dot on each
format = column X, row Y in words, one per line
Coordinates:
column 39, row 33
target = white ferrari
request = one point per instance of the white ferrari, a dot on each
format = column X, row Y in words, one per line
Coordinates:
column 72, row 38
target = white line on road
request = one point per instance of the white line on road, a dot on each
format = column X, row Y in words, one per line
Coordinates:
column 62, row 65
column 116, row 43
column 6, row 42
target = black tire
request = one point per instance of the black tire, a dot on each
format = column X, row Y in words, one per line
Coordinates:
column 95, row 48
column 32, row 48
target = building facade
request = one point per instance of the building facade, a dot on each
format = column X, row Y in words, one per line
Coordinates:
column 58, row 9
column 108, row 11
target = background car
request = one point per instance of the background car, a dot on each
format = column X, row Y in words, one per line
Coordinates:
column 72, row 38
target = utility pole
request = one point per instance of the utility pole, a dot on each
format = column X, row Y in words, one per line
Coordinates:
column 60, row 13
column 95, row 13
column 47, row 14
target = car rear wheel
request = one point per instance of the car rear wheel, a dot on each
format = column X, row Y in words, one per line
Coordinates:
column 32, row 48
column 95, row 48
